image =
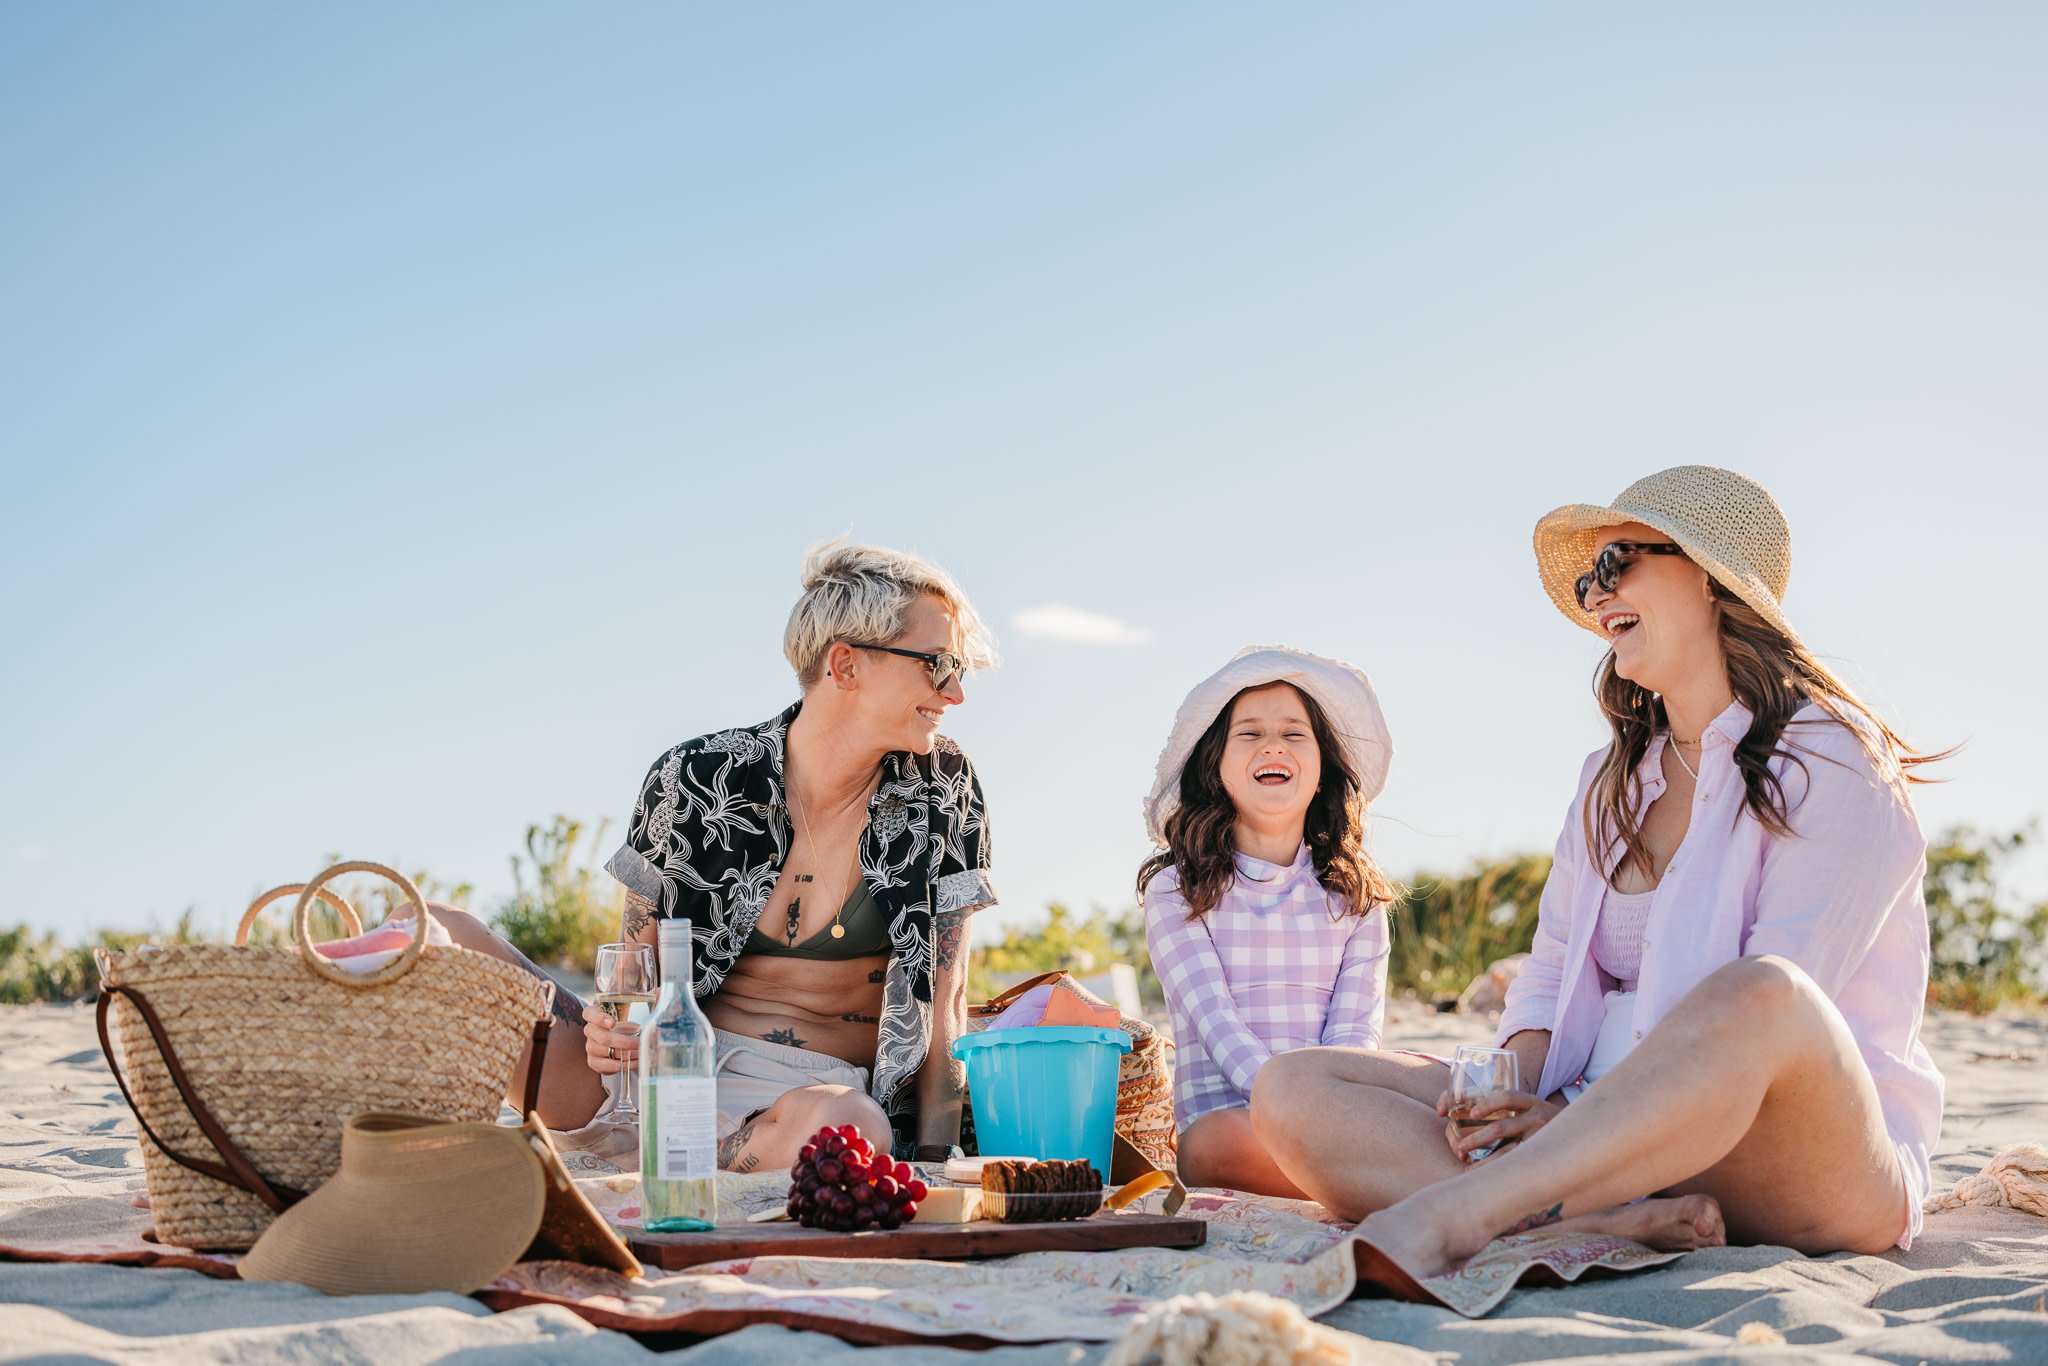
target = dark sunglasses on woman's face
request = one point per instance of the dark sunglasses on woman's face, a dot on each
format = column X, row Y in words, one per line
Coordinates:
column 1615, row 557
column 945, row 666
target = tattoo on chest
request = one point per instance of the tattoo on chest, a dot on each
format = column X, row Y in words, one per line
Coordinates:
column 861, row 1019
column 1541, row 1218
column 796, row 910
column 786, row 1037
column 877, row 975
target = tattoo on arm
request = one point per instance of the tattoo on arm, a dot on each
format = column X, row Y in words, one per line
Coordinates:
column 786, row 1037
column 732, row 1147
column 946, row 943
column 639, row 915
column 1539, row 1219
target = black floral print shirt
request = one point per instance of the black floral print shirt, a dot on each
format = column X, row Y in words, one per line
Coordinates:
column 709, row 835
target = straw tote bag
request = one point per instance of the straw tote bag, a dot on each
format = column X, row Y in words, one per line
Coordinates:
column 242, row 1064
column 1144, row 1088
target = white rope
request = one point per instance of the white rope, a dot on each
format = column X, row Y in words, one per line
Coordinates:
column 1246, row 1328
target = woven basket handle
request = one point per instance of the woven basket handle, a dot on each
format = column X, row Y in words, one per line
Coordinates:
column 342, row 908
column 320, row 966
column 239, row 1171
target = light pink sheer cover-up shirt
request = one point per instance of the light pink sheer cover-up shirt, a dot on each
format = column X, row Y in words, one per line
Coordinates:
column 1269, row 968
column 1841, row 897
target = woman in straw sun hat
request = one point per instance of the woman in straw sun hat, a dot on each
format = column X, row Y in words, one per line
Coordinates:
column 1722, row 1005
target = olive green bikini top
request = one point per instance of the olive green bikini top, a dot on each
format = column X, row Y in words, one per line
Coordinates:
column 867, row 934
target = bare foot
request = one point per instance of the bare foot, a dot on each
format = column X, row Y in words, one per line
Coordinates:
column 1672, row 1223
column 1421, row 1240
column 1427, row 1235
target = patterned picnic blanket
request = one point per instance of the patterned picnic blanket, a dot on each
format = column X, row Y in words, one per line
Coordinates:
column 1285, row 1248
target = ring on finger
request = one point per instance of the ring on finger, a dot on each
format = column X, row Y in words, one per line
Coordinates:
column 612, row 1053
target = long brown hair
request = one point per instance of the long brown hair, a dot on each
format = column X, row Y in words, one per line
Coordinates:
column 1773, row 675
column 1199, row 834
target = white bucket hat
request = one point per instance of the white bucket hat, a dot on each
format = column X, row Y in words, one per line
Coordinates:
column 1342, row 690
column 1726, row 524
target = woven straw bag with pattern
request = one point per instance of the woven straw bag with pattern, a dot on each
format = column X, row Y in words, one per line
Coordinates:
column 1144, row 1091
column 242, row 1063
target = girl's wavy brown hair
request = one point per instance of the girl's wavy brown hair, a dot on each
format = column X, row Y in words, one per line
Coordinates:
column 1772, row 675
column 1199, row 838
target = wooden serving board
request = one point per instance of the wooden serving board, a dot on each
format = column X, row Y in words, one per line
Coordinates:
column 1099, row 1232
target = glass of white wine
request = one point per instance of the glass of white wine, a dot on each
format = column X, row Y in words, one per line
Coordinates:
column 625, row 978
column 1479, row 1075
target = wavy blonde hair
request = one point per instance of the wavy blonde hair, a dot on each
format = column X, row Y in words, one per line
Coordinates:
column 861, row 594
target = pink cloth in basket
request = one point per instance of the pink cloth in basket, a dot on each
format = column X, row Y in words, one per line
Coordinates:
column 372, row 949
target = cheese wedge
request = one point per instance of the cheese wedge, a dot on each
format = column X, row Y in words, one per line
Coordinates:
column 949, row 1205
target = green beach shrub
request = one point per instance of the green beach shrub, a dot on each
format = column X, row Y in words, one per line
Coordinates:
column 568, row 910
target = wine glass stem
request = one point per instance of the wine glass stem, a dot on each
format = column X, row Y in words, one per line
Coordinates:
column 628, row 1102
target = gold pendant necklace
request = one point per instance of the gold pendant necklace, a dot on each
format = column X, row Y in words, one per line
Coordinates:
column 796, row 902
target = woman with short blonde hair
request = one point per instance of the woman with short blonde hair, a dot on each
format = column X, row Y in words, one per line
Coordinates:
column 827, row 860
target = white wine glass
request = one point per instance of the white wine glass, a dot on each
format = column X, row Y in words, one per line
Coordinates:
column 625, row 978
column 1477, row 1075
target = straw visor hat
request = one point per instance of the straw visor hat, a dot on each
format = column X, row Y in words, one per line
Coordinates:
column 1342, row 690
column 421, row 1205
column 1726, row 524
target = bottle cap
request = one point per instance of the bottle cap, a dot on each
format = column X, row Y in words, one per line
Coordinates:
column 674, row 930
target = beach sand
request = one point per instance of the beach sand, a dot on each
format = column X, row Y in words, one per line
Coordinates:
column 1974, row 1289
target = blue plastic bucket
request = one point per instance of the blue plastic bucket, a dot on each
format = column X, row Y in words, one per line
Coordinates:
column 1048, row 1092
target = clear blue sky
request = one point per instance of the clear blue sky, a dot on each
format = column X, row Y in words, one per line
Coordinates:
column 411, row 417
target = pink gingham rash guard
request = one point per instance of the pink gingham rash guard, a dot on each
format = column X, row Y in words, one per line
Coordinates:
column 1841, row 897
column 1275, row 965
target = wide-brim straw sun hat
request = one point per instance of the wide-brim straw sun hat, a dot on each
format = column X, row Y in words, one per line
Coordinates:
column 420, row 1205
column 1342, row 690
column 1726, row 524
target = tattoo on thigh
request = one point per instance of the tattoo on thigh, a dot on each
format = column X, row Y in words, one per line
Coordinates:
column 732, row 1155
column 639, row 914
column 784, row 1036
column 568, row 1007
column 1555, row 1214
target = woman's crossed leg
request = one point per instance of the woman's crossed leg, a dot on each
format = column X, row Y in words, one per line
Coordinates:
column 1751, row 1093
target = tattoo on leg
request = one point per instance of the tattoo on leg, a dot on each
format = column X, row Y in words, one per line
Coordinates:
column 1540, row 1218
column 568, row 1008
column 733, row 1145
column 639, row 915
column 784, row 1036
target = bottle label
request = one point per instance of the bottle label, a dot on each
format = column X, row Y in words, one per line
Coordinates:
column 685, row 1115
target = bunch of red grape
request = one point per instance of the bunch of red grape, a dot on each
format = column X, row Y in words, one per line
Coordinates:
column 841, row 1183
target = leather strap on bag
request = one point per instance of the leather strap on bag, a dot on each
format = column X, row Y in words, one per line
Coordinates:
column 239, row 1171
column 994, row 1004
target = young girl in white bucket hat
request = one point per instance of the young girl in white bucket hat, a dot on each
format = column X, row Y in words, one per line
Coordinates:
column 1264, row 914
column 1722, row 1004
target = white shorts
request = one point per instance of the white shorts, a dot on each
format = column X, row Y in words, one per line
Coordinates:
column 753, row 1074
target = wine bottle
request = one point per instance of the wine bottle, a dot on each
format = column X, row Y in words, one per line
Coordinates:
column 678, row 1099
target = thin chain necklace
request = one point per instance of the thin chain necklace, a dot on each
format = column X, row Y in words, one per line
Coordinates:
column 796, row 903
column 1679, row 754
